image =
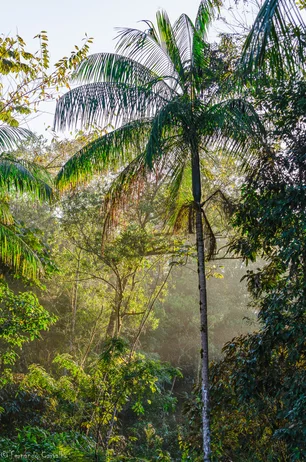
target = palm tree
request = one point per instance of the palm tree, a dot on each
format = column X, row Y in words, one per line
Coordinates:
column 160, row 95
column 20, row 250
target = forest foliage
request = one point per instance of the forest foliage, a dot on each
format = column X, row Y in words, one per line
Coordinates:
column 99, row 327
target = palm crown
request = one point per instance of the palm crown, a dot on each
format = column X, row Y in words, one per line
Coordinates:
column 160, row 96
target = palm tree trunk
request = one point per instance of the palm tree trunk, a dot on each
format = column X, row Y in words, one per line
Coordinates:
column 196, row 190
column 204, row 335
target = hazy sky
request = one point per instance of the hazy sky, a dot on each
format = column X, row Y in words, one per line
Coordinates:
column 66, row 22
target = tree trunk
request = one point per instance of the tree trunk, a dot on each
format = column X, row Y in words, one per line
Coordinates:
column 204, row 335
column 74, row 301
column 110, row 331
column 196, row 190
column 115, row 321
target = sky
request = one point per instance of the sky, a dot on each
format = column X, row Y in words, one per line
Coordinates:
column 67, row 21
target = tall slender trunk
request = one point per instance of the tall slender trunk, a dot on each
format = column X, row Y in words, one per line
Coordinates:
column 196, row 190
column 204, row 335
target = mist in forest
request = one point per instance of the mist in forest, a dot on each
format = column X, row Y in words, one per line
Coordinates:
column 177, row 337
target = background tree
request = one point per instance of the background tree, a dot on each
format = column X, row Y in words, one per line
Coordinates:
column 26, row 80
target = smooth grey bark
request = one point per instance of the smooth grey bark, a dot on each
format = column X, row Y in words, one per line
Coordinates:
column 204, row 335
column 196, row 190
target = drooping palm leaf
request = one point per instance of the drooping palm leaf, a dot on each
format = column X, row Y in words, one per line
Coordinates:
column 6, row 216
column 107, row 152
column 20, row 250
column 165, row 128
column 207, row 11
column 184, row 219
column 178, row 175
column 145, row 48
column 11, row 136
column 276, row 42
column 111, row 67
column 17, row 254
column 210, row 238
column 131, row 183
column 106, row 103
column 126, row 187
column 178, row 183
column 234, row 126
column 18, row 175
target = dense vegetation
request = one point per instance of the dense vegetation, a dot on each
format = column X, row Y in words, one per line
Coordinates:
column 185, row 180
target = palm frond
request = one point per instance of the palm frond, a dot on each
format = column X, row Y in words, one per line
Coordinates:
column 209, row 236
column 118, row 69
column 145, row 48
column 183, row 30
column 222, row 201
column 17, row 254
column 200, row 56
column 168, row 43
column 107, row 152
column 233, row 125
column 185, row 218
column 106, row 103
column 177, row 174
column 178, row 184
column 165, row 127
column 6, row 216
column 206, row 14
column 127, row 187
column 276, row 41
column 19, row 175
column 111, row 67
column 11, row 136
